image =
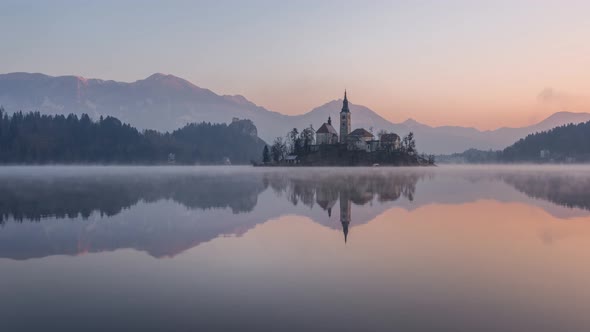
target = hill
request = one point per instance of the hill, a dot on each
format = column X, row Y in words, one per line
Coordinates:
column 166, row 102
column 562, row 144
column 39, row 139
column 567, row 143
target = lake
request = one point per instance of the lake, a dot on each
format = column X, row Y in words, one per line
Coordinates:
column 252, row 249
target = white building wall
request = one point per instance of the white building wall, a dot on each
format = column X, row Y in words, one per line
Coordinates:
column 326, row 138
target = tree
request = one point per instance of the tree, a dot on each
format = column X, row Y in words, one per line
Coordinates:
column 278, row 149
column 381, row 133
column 1, row 121
column 265, row 155
column 408, row 144
column 411, row 143
column 292, row 140
column 307, row 137
column 36, row 138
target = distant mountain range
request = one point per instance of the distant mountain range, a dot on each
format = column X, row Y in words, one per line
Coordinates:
column 167, row 102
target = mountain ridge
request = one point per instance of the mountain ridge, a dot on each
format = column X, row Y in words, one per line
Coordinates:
column 167, row 102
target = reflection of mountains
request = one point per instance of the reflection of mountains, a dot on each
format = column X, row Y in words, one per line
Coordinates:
column 161, row 227
column 165, row 214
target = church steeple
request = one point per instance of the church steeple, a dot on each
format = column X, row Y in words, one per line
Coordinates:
column 344, row 120
column 345, row 104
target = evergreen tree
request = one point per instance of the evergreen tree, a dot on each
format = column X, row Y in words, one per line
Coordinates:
column 36, row 138
column 265, row 154
column 564, row 143
column 292, row 137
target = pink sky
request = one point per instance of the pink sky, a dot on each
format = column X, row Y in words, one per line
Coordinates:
column 456, row 62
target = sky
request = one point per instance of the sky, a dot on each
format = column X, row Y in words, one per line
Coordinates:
column 485, row 64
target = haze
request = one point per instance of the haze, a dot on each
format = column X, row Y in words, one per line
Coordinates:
column 506, row 63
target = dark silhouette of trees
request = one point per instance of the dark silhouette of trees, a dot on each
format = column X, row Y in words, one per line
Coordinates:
column 293, row 140
column 409, row 144
column 307, row 138
column 265, row 154
column 564, row 143
column 567, row 143
column 36, row 138
column 278, row 149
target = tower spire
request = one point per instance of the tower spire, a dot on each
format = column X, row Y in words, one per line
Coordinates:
column 344, row 119
column 345, row 103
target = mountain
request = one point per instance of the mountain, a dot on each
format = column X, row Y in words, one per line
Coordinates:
column 162, row 102
column 166, row 102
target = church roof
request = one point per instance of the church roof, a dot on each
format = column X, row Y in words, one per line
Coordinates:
column 326, row 129
column 361, row 132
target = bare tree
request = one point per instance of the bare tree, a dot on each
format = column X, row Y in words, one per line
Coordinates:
column 308, row 137
column 278, row 149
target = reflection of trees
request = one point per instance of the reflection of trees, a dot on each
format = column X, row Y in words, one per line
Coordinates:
column 565, row 190
column 73, row 196
column 109, row 194
column 345, row 188
column 81, row 196
column 359, row 189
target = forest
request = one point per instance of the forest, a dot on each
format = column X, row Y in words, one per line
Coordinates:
column 34, row 138
column 568, row 143
column 564, row 144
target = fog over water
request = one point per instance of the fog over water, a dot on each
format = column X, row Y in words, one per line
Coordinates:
column 449, row 248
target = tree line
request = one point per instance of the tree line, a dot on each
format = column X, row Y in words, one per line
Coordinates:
column 567, row 143
column 295, row 142
column 38, row 139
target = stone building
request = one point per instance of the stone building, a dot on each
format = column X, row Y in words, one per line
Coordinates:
column 326, row 134
column 359, row 139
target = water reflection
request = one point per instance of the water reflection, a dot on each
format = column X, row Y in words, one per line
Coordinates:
column 294, row 250
column 567, row 190
column 167, row 212
column 79, row 196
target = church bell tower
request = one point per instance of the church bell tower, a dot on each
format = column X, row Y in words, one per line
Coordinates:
column 344, row 120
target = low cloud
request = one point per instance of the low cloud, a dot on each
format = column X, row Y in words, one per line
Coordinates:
column 552, row 96
column 563, row 100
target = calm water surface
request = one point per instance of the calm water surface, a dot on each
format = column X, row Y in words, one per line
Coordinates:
column 245, row 249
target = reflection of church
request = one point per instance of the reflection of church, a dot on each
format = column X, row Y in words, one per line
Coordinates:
column 327, row 198
column 345, row 190
column 345, row 205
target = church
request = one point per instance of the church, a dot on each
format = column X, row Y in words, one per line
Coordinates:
column 359, row 139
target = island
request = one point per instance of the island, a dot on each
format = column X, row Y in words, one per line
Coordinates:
column 327, row 147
